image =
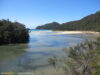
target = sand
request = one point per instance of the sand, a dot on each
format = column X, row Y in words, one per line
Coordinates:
column 76, row 32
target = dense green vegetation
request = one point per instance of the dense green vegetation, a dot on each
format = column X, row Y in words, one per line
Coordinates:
column 52, row 25
column 13, row 32
column 89, row 23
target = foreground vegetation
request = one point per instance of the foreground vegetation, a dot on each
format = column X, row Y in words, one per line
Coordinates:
column 89, row 23
column 13, row 32
column 84, row 59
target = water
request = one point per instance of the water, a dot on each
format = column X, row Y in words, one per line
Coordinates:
column 43, row 44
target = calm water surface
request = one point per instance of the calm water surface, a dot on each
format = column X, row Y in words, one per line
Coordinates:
column 43, row 44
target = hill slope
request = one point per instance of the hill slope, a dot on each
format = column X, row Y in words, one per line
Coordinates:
column 90, row 22
column 52, row 25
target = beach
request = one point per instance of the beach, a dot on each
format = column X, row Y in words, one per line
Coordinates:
column 77, row 32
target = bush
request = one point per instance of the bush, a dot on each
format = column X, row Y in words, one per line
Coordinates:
column 84, row 59
column 13, row 32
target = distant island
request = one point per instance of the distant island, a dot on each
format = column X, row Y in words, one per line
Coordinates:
column 88, row 23
column 13, row 32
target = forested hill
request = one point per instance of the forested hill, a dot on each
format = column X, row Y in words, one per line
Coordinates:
column 13, row 32
column 52, row 25
column 89, row 23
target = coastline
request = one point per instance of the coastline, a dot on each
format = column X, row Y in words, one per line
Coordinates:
column 77, row 32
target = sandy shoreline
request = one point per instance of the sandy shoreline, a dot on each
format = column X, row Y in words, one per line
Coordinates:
column 77, row 32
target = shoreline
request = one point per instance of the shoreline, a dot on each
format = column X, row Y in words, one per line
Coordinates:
column 77, row 32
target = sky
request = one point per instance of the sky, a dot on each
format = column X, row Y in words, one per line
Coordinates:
column 38, row 12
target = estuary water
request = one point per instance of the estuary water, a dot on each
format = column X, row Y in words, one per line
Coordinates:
column 43, row 44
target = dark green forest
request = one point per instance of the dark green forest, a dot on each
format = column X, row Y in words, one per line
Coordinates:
column 13, row 32
column 88, row 23
column 52, row 25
